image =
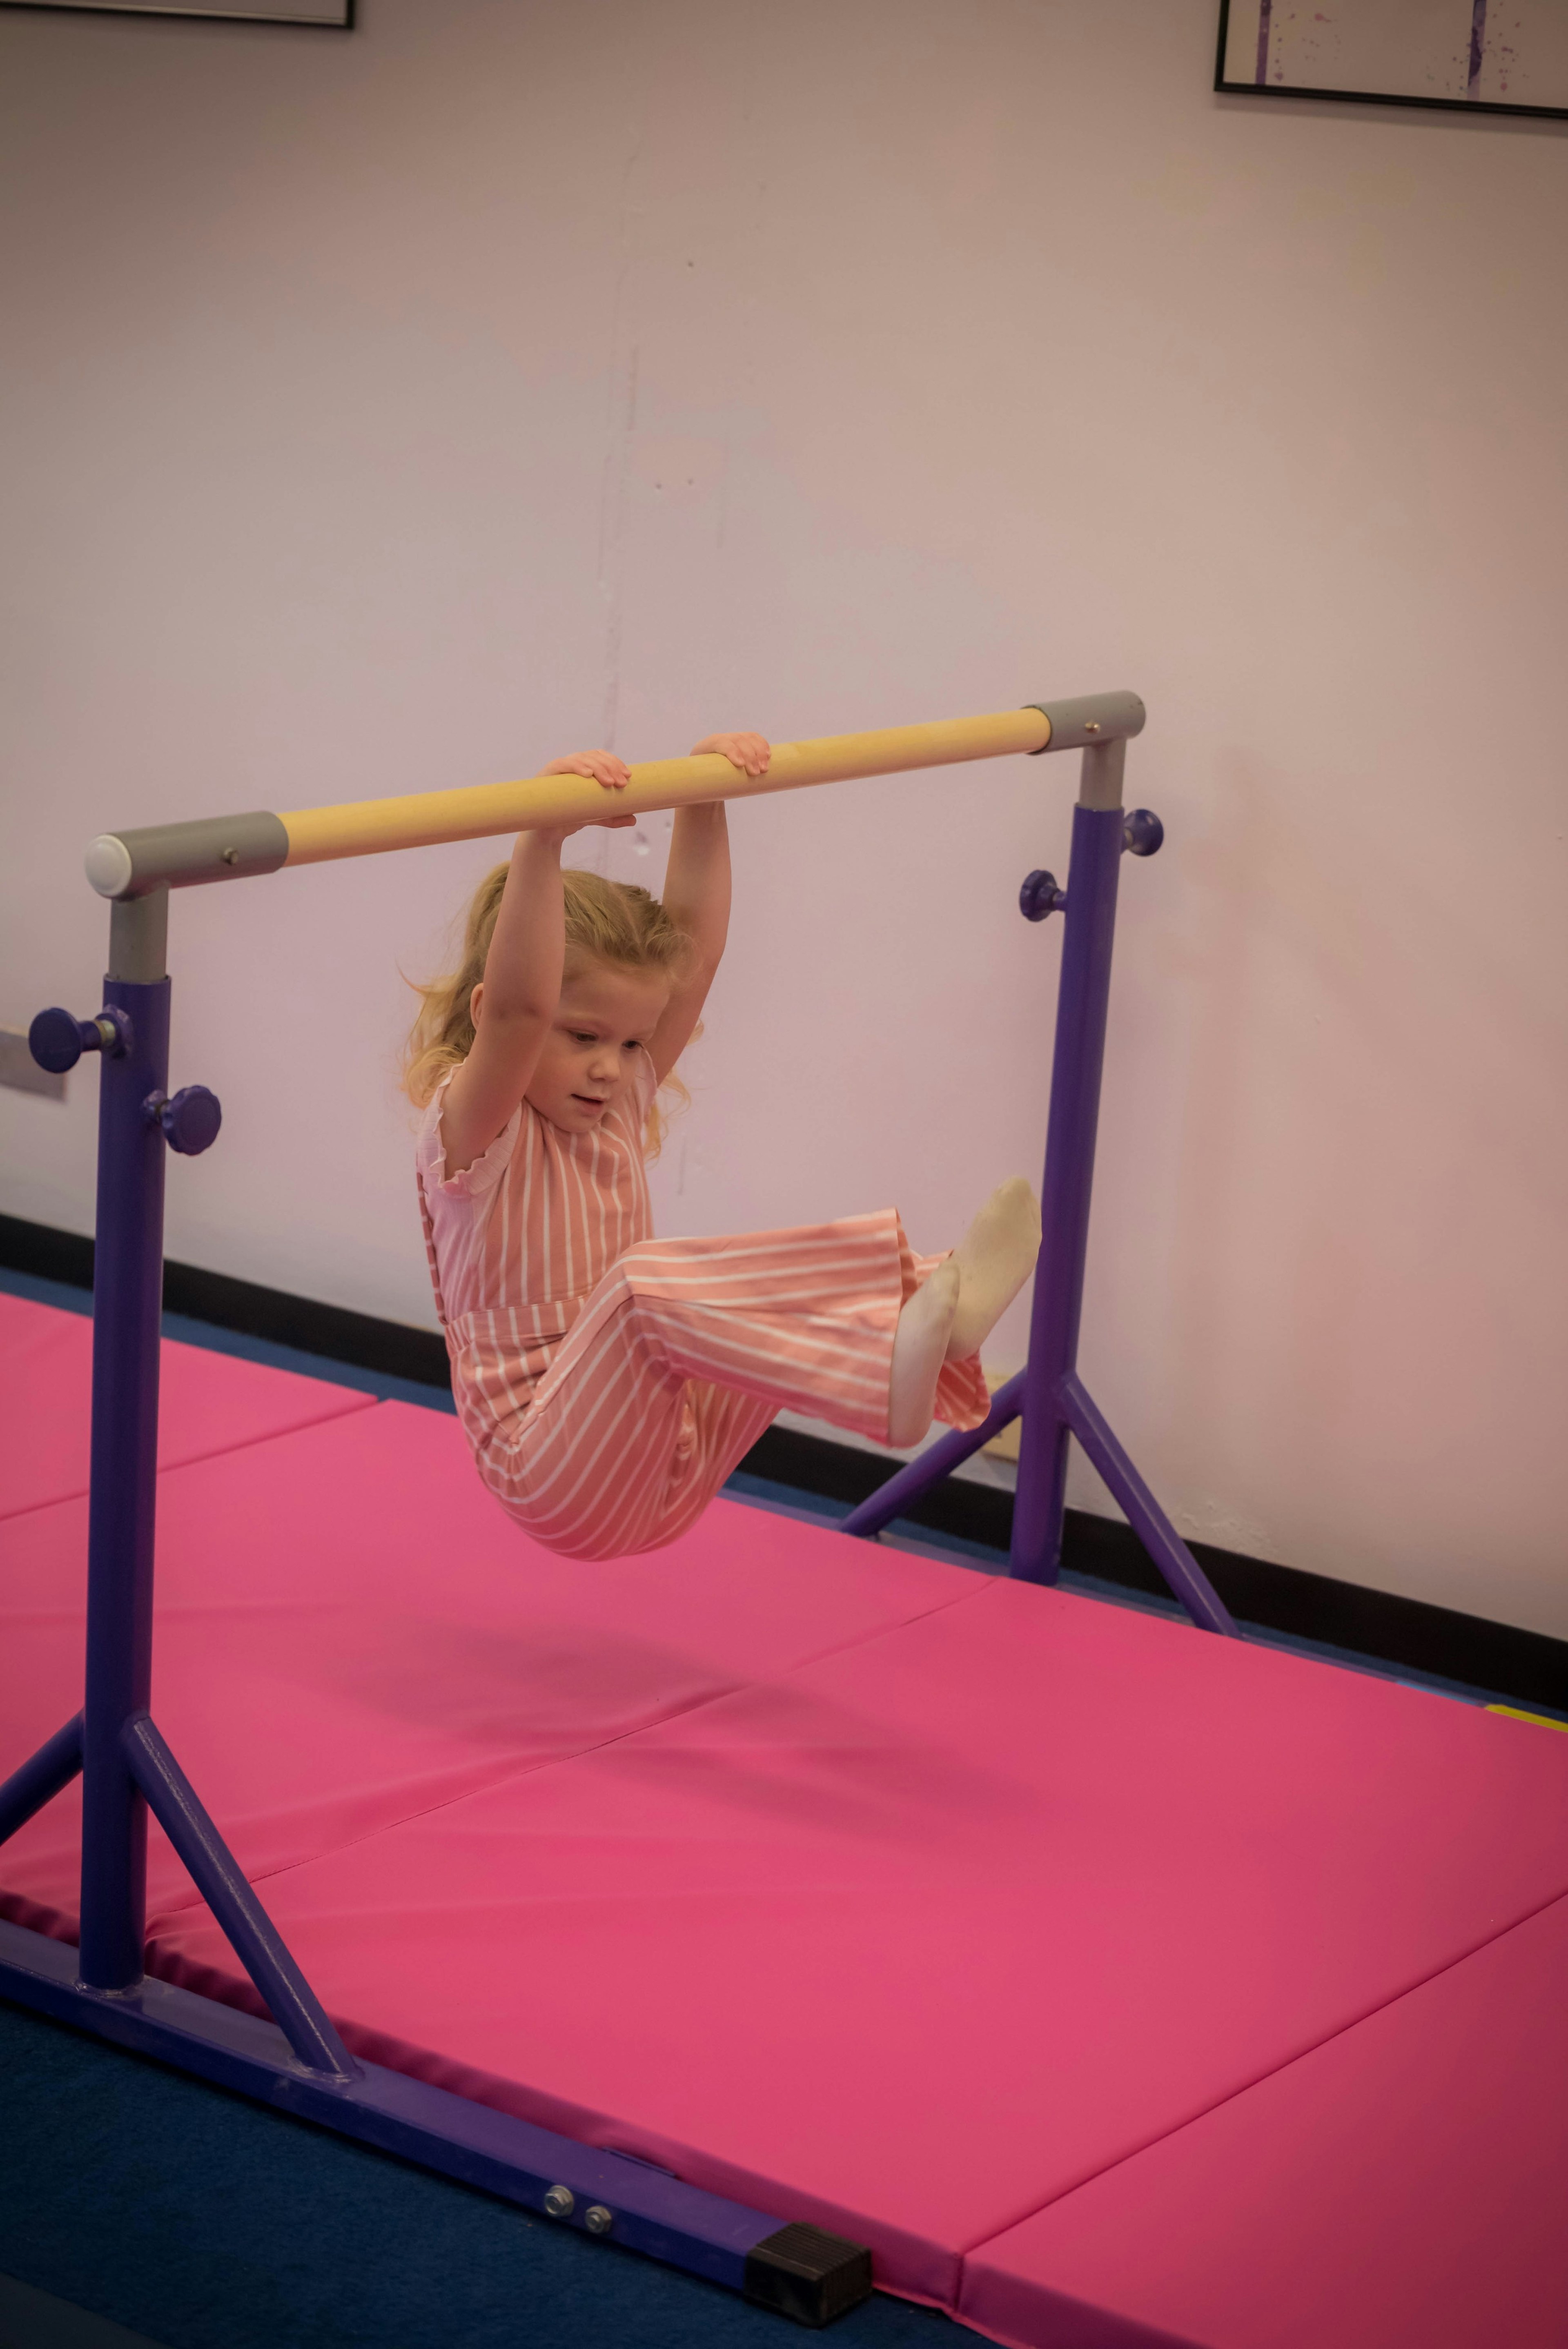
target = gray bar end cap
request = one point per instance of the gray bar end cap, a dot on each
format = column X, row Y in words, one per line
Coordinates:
column 108, row 865
column 1091, row 720
column 122, row 865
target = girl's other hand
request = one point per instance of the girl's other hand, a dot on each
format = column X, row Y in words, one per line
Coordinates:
column 751, row 752
column 600, row 767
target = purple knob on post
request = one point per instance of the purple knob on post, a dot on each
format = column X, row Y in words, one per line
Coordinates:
column 56, row 1039
column 1040, row 897
column 190, row 1121
column 1143, row 833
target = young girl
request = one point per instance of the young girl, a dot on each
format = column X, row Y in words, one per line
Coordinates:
column 609, row 1382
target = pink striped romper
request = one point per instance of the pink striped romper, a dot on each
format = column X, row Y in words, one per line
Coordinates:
column 609, row 1382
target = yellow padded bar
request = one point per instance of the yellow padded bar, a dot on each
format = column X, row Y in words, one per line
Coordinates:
column 364, row 827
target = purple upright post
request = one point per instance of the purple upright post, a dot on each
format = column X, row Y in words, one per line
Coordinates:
column 127, row 1276
column 1048, row 1393
column 1056, row 1405
column 1082, row 1004
column 125, row 1763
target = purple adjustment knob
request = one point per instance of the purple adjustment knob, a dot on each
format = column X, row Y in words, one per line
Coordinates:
column 190, row 1121
column 1040, row 896
column 1143, row 833
column 57, row 1040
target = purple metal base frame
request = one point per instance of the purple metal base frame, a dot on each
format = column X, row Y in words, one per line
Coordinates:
column 298, row 2061
column 1048, row 1393
column 649, row 2211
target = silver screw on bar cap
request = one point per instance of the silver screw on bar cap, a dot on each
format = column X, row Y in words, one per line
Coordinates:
column 599, row 2220
column 560, row 2203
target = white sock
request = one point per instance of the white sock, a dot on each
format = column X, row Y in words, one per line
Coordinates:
column 995, row 1258
column 919, row 1348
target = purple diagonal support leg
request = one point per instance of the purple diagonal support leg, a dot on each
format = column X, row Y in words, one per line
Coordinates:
column 1144, row 1513
column 254, row 1939
column 917, row 1477
column 39, row 1781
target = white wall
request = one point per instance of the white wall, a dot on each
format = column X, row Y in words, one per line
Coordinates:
column 399, row 410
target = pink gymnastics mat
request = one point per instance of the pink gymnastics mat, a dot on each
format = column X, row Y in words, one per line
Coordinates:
column 210, row 1402
column 1117, row 1984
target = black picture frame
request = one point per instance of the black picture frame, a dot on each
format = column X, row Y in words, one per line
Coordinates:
column 171, row 13
column 1363, row 97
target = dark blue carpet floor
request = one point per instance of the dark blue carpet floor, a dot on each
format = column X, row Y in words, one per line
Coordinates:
column 200, row 2221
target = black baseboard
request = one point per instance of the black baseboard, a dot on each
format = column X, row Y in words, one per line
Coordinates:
column 329, row 1330
column 1524, row 1666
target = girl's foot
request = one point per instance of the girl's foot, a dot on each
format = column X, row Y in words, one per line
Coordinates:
column 995, row 1258
column 919, row 1348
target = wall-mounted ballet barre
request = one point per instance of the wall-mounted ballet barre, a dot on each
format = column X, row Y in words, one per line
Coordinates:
column 128, row 864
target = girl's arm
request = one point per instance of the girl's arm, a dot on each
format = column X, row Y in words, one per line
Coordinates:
column 516, row 1000
column 697, row 896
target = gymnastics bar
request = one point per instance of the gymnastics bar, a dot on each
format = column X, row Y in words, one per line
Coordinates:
column 298, row 2060
column 127, row 864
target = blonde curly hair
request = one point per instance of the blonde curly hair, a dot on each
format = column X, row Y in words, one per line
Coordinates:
column 607, row 921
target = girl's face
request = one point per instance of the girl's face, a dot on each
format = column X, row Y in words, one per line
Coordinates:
column 605, row 1016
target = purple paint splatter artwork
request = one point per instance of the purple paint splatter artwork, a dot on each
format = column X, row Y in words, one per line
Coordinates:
column 1477, row 45
column 1496, row 55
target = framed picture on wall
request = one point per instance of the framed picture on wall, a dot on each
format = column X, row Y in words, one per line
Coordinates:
column 332, row 16
column 1486, row 57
